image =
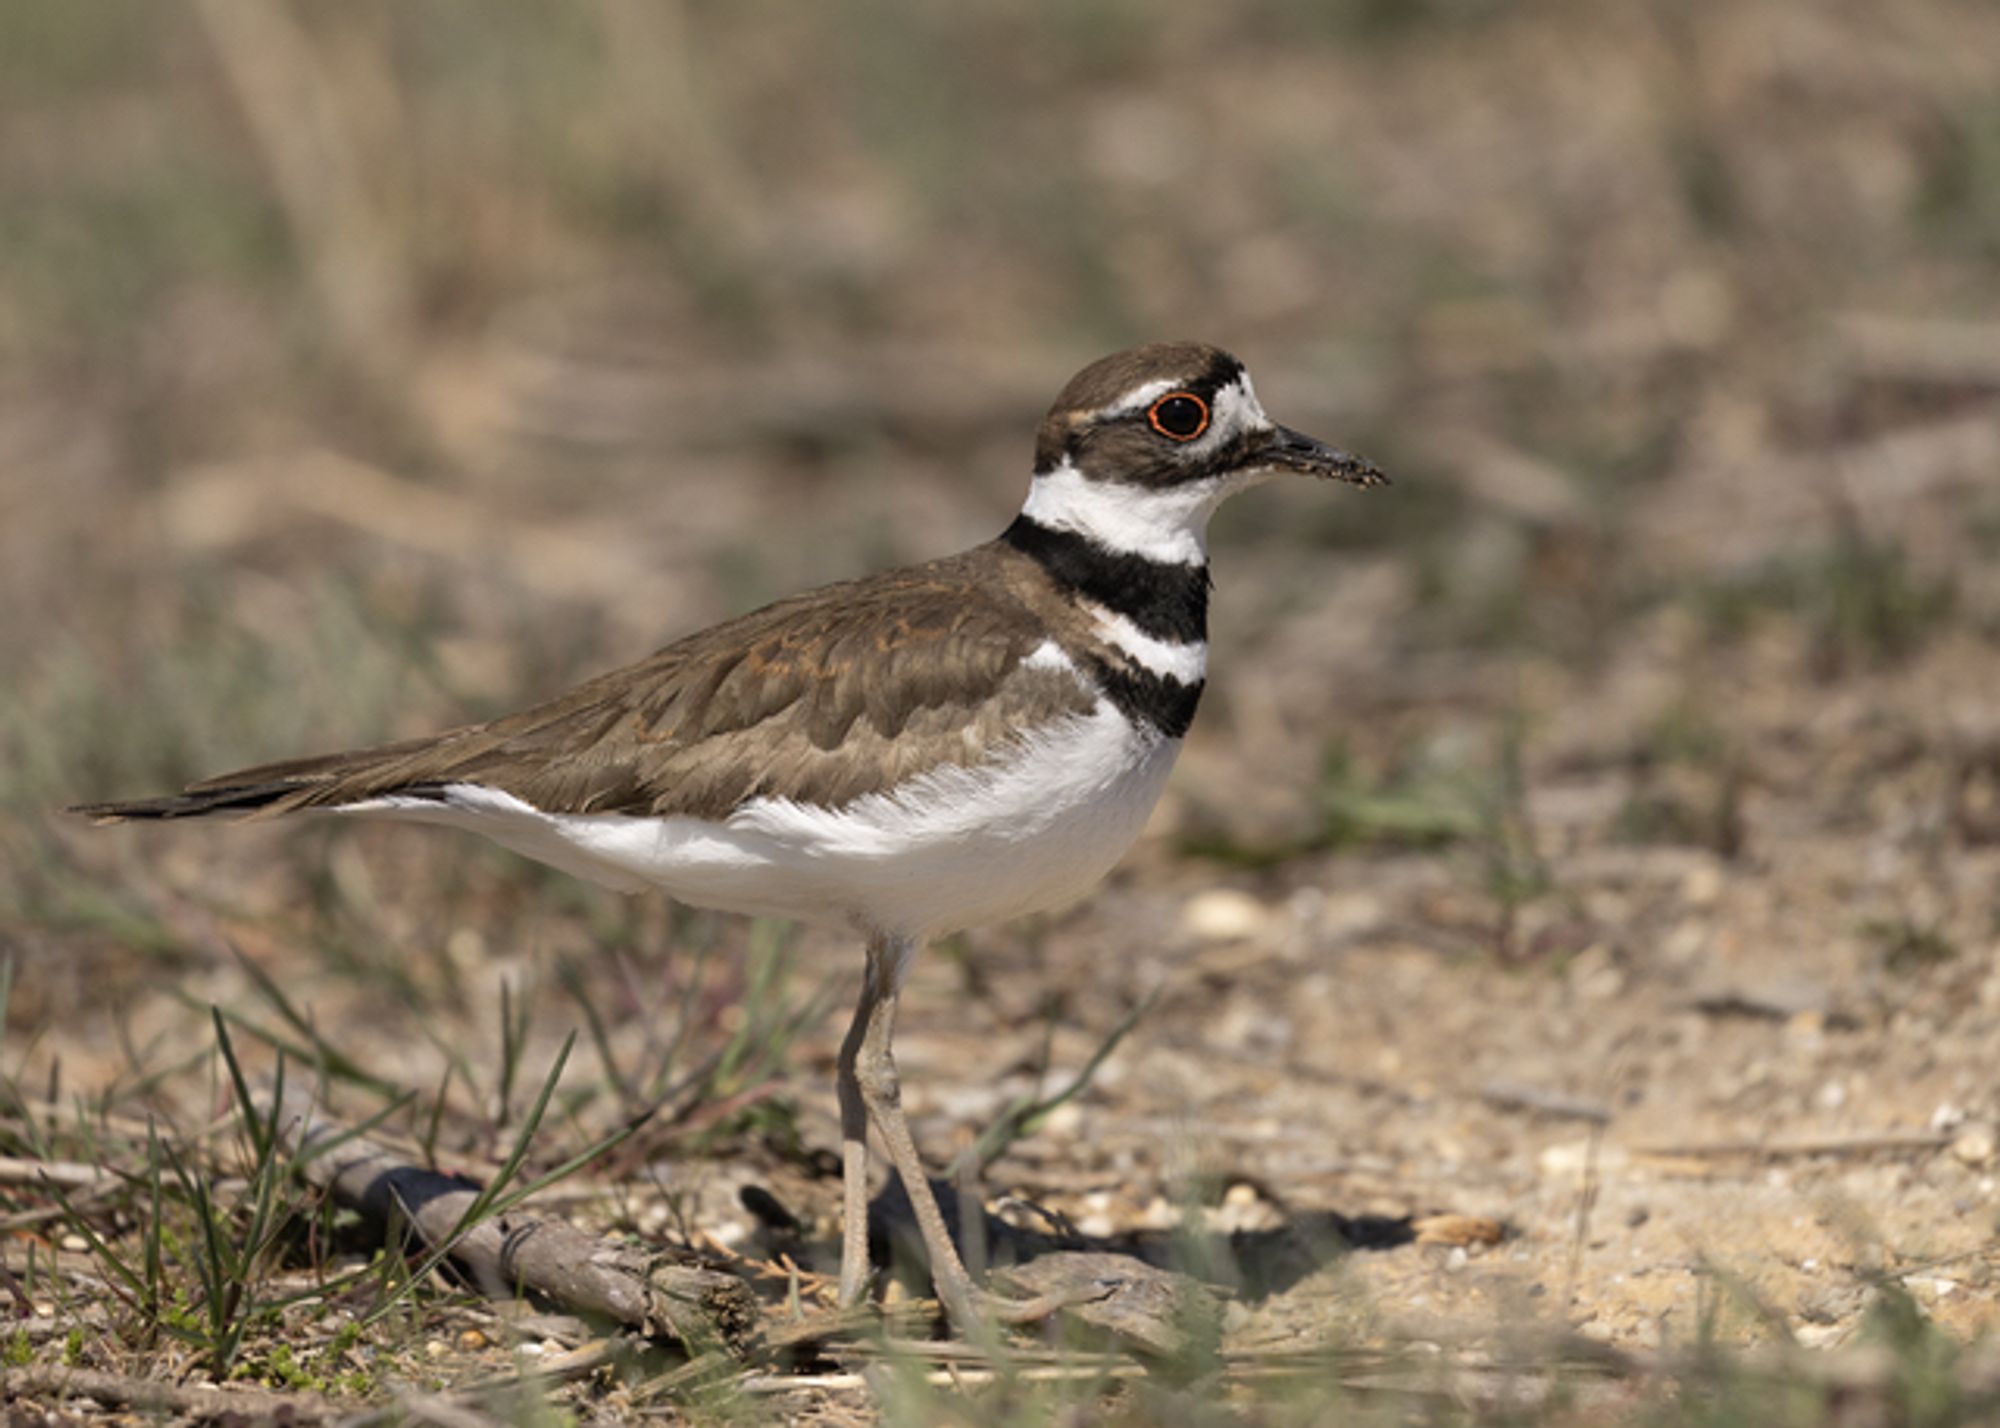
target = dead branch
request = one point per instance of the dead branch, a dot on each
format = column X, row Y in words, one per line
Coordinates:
column 203, row 1402
column 518, row 1251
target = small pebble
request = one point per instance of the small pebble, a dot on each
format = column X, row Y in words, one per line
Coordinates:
column 1350, row 913
column 1702, row 885
column 1573, row 1160
column 1064, row 1122
column 1974, row 1145
column 1224, row 915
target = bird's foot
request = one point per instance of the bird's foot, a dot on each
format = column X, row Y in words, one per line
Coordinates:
column 968, row 1306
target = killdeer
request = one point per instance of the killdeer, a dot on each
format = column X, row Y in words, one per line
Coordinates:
column 903, row 755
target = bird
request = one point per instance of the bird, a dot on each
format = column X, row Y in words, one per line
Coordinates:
column 902, row 756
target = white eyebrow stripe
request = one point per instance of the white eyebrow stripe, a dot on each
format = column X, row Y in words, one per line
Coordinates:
column 1143, row 395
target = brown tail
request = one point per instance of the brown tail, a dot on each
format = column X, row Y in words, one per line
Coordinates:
column 244, row 798
column 321, row 780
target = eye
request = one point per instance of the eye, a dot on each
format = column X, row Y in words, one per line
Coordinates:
column 1179, row 416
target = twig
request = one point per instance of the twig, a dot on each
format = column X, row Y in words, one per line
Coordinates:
column 70, row 1174
column 48, row 1115
column 56, row 1175
column 37, row 1328
column 1864, row 1143
column 1586, row 1201
column 1028, row 1111
column 517, row 1251
column 1548, row 1103
column 765, row 1383
column 200, row 1401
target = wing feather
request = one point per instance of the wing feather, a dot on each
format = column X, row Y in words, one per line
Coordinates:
column 822, row 698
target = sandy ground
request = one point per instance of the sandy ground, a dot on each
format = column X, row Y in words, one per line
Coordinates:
column 1593, row 835
column 1693, row 1088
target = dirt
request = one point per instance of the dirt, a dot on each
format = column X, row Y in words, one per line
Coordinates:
column 1701, row 1093
column 1591, row 838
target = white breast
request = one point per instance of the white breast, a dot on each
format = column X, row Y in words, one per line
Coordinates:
column 951, row 848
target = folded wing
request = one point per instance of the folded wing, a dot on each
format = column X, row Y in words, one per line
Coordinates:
column 822, row 699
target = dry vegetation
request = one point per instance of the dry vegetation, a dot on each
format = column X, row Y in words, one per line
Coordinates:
column 1596, row 833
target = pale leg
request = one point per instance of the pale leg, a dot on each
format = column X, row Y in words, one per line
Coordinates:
column 871, row 1069
column 854, row 1149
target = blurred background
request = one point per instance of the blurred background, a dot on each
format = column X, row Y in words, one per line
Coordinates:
column 368, row 368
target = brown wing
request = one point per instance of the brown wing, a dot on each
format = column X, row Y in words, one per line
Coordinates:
column 822, row 698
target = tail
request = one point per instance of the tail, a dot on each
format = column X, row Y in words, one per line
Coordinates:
column 324, row 781
column 195, row 803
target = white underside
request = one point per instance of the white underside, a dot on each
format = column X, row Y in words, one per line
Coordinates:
column 952, row 848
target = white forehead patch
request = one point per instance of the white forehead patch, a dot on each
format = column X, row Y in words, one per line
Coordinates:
column 1143, row 395
column 1237, row 408
column 1234, row 411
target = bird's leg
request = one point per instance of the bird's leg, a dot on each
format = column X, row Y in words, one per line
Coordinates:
column 872, row 1070
column 881, row 1091
column 854, row 1148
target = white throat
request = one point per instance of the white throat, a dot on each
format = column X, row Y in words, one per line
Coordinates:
column 1168, row 525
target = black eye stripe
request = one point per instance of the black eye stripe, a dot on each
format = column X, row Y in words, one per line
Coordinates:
column 1179, row 416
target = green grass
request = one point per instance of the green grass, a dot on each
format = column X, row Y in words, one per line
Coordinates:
column 1689, row 778
column 1956, row 205
column 1907, row 947
column 1862, row 601
column 205, row 1240
column 1462, row 800
column 216, row 1244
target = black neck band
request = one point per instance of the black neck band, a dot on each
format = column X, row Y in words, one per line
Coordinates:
column 1165, row 600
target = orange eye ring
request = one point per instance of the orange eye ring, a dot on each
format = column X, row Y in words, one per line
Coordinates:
column 1178, row 416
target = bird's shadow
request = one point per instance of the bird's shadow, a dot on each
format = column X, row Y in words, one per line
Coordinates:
column 1252, row 1264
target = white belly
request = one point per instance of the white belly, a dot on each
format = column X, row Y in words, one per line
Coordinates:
column 953, row 848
